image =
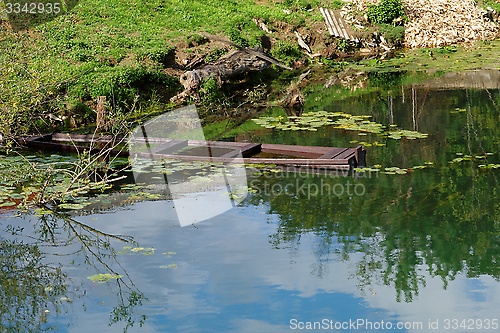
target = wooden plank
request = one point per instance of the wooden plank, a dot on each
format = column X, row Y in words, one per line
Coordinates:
column 232, row 154
column 340, row 23
column 254, row 160
column 333, row 153
column 217, row 144
column 308, row 156
column 335, row 24
column 346, row 154
column 170, row 147
column 360, row 155
column 327, row 22
column 251, row 149
column 47, row 145
column 246, row 151
column 83, row 137
column 292, row 150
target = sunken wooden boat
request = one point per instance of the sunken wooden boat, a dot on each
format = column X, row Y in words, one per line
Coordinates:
column 210, row 151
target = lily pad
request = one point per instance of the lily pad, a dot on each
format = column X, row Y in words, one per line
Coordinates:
column 103, row 278
column 171, row 266
column 71, row 206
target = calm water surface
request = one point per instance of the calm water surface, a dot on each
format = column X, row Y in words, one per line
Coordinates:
column 420, row 249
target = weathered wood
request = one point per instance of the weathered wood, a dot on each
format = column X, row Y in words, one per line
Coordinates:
column 360, row 155
column 333, row 153
column 293, row 150
column 251, row 149
column 79, row 137
column 102, row 116
column 170, row 147
column 302, row 42
column 253, row 52
column 239, row 152
column 230, row 65
column 44, row 142
column 235, row 63
column 336, row 25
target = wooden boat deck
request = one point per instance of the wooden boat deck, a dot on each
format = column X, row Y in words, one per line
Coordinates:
column 210, row 151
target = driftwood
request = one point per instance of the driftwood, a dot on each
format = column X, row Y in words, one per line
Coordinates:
column 233, row 64
column 294, row 99
column 102, row 116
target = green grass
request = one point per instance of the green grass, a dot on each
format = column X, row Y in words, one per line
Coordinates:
column 117, row 48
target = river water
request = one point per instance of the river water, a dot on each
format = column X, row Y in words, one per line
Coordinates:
column 410, row 245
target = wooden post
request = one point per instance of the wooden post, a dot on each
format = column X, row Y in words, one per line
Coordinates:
column 101, row 120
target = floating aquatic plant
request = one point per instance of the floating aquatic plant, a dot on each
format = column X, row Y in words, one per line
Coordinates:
column 395, row 171
column 313, row 120
column 71, row 206
column 489, row 166
column 411, row 135
column 458, row 110
column 103, row 278
column 461, row 157
column 147, row 251
column 392, row 170
column 367, row 169
column 170, row 266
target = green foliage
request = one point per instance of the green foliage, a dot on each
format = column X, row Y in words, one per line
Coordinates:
column 214, row 55
column 385, row 12
column 395, row 35
column 345, row 45
column 495, row 5
column 286, row 51
column 211, row 92
column 118, row 49
column 243, row 32
column 446, row 49
column 157, row 52
column 235, row 34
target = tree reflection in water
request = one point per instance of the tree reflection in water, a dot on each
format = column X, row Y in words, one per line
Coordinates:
column 33, row 286
column 440, row 221
column 445, row 223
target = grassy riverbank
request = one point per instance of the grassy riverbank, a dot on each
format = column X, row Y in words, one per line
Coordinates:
column 121, row 49
column 133, row 52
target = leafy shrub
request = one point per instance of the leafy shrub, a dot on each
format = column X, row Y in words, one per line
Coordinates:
column 394, row 35
column 121, row 84
column 211, row 92
column 386, row 11
column 286, row 52
column 345, row 45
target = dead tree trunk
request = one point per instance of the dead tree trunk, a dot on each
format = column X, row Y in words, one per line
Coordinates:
column 233, row 64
